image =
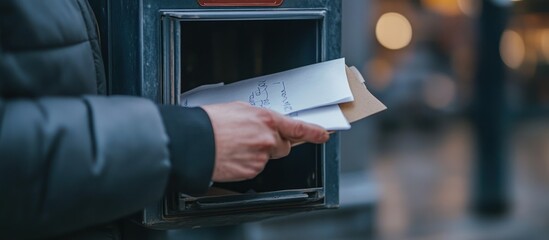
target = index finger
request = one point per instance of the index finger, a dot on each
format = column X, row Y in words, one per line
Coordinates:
column 299, row 131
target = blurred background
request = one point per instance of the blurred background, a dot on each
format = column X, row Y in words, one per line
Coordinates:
column 463, row 150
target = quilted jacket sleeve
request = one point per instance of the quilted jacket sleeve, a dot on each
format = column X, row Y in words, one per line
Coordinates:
column 68, row 163
column 69, row 159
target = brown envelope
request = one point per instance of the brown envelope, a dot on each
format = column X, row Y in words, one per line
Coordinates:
column 365, row 104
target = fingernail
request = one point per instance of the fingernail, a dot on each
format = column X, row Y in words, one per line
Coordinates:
column 324, row 136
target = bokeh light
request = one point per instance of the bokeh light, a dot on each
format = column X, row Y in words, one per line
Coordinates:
column 444, row 7
column 512, row 49
column 470, row 8
column 393, row 31
column 545, row 44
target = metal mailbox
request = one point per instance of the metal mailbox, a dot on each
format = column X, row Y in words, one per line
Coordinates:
column 161, row 48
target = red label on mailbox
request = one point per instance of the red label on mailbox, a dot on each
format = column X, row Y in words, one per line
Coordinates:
column 240, row 3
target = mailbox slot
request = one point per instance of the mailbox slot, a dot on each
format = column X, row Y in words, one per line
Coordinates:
column 206, row 48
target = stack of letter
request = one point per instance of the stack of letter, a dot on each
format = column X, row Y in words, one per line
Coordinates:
column 315, row 93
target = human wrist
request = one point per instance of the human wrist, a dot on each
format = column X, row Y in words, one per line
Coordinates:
column 191, row 146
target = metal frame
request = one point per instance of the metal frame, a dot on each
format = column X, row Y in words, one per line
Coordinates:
column 171, row 33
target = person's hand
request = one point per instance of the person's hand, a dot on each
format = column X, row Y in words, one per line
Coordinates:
column 246, row 137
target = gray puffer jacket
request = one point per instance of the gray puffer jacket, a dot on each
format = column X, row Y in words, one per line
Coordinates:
column 71, row 159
